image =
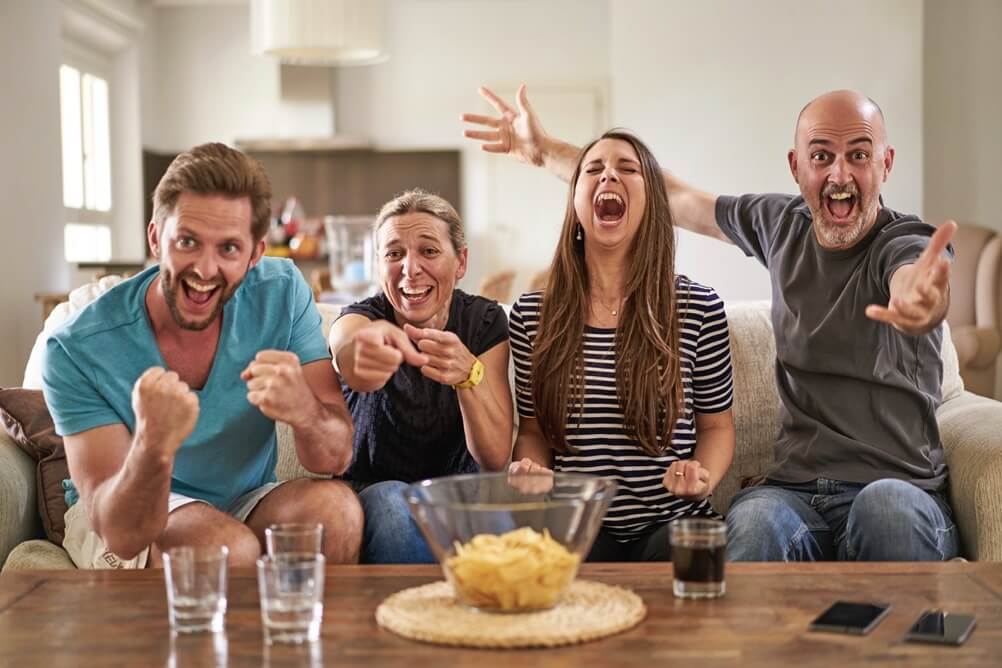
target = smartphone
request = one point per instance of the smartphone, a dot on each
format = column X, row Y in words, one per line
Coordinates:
column 849, row 617
column 941, row 627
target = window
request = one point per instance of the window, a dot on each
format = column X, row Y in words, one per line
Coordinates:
column 86, row 164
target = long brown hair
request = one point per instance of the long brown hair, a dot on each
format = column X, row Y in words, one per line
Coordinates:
column 648, row 372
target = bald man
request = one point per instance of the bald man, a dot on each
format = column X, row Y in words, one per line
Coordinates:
column 859, row 292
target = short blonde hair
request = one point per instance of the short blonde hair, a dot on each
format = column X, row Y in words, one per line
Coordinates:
column 420, row 201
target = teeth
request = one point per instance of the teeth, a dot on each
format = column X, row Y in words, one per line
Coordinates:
column 605, row 196
column 414, row 293
column 198, row 287
column 841, row 196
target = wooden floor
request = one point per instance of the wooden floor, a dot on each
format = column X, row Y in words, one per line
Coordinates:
column 119, row 618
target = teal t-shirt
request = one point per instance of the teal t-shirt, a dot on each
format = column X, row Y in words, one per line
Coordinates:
column 93, row 361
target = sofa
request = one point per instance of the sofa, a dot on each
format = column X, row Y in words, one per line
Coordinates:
column 970, row 427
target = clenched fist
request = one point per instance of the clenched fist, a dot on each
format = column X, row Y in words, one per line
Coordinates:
column 380, row 348
column 449, row 361
column 277, row 386
column 687, row 479
column 166, row 409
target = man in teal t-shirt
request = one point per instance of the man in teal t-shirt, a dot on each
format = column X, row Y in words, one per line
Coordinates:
column 166, row 389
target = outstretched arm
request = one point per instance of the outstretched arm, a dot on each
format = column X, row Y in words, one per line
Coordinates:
column 517, row 131
column 920, row 292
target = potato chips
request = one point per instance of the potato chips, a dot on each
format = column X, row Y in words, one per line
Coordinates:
column 518, row 570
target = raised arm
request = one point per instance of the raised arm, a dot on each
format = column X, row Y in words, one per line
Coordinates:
column 920, row 292
column 308, row 398
column 517, row 131
column 123, row 479
column 368, row 352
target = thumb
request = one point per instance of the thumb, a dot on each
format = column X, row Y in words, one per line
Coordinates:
column 399, row 340
column 522, row 100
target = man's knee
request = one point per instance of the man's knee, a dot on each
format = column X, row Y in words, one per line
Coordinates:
column 893, row 520
column 200, row 524
column 340, row 512
column 762, row 526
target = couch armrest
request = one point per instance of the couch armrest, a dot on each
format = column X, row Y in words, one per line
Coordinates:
column 19, row 520
column 970, row 426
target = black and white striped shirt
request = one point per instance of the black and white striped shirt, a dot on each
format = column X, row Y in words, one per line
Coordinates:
column 600, row 442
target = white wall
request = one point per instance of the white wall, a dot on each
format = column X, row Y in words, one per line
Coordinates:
column 31, row 225
column 962, row 101
column 714, row 87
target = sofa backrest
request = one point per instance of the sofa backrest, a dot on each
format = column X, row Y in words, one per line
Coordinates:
column 756, row 401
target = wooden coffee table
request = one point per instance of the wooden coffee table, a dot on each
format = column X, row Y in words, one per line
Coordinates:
column 77, row 618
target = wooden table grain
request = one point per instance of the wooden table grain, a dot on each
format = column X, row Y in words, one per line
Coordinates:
column 78, row 618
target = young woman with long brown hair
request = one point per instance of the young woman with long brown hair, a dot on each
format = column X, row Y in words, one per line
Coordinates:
column 622, row 368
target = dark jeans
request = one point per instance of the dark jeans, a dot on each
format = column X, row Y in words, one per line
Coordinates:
column 652, row 546
column 827, row 520
column 391, row 535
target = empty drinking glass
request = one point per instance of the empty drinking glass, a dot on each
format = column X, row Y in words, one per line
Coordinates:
column 302, row 539
column 698, row 551
column 292, row 597
column 196, row 587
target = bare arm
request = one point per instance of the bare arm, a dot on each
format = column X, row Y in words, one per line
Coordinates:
column 696, row 478
column 368, row 352
column 517, row 131
column 487, row 411
column 486, row 408
column 123, row 479
column 532, row 450
column 920, row 292
column 307, row 397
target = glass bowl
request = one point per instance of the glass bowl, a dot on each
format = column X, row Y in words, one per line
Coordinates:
column 510, row 542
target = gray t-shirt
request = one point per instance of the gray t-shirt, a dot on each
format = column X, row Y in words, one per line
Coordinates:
column 859, row 397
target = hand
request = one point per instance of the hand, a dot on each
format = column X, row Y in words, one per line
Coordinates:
column 919, row 291
column 380, row 348
column 277, row 386
column 449, row 361
column 166, row 409
column 687, row 479
column 515, row 132
column 529, row 477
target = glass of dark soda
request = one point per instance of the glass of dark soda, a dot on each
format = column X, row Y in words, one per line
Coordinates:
column 698, row 551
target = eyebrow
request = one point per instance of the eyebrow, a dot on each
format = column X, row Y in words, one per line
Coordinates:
column 619, row 161
column 188, row 232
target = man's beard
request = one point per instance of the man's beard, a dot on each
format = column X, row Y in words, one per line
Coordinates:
column 833, row 236
column 172, row 287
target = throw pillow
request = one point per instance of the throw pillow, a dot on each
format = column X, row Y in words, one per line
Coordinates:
column 27, row 421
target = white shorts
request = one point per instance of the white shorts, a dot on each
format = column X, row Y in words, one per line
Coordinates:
column 87, row 549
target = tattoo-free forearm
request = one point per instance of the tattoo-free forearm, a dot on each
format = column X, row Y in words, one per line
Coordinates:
column 715, row 451
column 129, row 509
column 487, row 424
column 324, row 441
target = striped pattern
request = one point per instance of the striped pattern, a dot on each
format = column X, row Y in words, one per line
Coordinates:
column 601, row 444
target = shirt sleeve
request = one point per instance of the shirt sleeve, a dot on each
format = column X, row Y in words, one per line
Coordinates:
column 493, row 330
column 752, row 222
column 73, row 399
column 370, row 308
column 307, row 340
column 903, row 245
column 712, row 374
column 521, row 351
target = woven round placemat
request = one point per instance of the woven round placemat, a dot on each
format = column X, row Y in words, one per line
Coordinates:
column 588, row 610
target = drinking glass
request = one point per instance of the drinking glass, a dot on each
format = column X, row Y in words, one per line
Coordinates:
column 196, row 587
column 303, row 539
column 292, row 596
column 698, row 552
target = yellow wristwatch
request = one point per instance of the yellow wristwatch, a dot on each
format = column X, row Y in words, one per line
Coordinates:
column 476, row 375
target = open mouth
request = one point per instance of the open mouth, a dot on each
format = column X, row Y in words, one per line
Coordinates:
column 840, row 206
column 198, row 292
column 609, row 207
column 416, row 295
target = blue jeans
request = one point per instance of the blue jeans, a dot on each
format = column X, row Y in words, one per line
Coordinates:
column 885, row 520
column 391, row 535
